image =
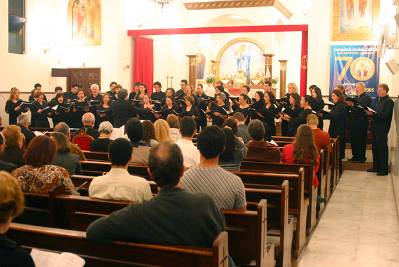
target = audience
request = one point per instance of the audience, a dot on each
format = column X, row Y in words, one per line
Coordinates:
column 62, row 127
column 134, row 131
column 14, row 143
column 162, row 130
column 23, row 123
column 101, row 143
column 149, row 133
column 190, row 152
column 64, row 158
column 303, row 151
column 173, row 217
column 232, row 124
column 5, row 166
column 225, row 188
column 39, row 175
column 118, row 184
column 321, row 138
column 11, row 205
column 88, row 122
column 259, row 149
column 242, row 128
column 234, row 151
column 173, row 122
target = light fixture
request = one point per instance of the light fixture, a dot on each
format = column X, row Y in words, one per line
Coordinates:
column 162, row 3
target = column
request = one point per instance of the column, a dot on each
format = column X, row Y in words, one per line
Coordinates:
column 192, row 69
column 283, row 77
column 268, row 66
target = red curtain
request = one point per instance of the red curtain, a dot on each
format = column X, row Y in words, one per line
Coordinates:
column 304, row 63
column 143, row 65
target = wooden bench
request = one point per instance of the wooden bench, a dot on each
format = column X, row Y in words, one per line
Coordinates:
column 96, row 168
column 96, row 156
column 119, row 253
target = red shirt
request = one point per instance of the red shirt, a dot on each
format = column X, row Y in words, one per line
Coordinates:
column 288, row 157
column 321, row 138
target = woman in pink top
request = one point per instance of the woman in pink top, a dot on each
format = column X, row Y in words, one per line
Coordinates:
column 303, row 151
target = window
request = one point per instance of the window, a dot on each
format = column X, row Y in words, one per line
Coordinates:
column 16, row 26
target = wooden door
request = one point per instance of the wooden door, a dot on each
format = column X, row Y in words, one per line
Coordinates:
column 84, row 77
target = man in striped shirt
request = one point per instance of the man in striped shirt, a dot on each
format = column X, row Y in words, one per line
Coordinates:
column 226, row 189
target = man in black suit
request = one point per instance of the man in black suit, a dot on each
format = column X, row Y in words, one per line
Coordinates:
column 23, row 123
column 181, row 93
column 380, row 125
column 122, row 109
column 359, row 123
column 158, row 95
column 72, row 94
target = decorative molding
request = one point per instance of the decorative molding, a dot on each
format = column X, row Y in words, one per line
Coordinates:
column 228, row 4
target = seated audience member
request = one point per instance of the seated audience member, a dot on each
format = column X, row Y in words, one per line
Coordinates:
column 190, row 152
column 14, row 143
column 173, row 122
column 258, row 148
column 62, row 127
column 101, row 143
column 321, row 138
column 149, row 133
column 23, row 123
column 39, row 175
column 242, row 128
column 234, row 151
column 134, row 131
column 162, row 130
column 5, row 166
column 173, row 217
column 11, row 205
column 303, row 151
column 232, row 124
column 88, row 122
column 118, row 184
column 226, row 189
column 64, row 158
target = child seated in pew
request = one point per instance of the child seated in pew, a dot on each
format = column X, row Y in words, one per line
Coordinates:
column 303, row 151
column 11, row 205
column 118, row 184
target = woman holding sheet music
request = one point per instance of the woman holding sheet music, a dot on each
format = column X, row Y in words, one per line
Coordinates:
column 244, row 107
column 169, row 108
column 13, row 106
column 190, row 109
column 147, row 112
column 290, row 112
column 269, row 112
column 104, row 111
column 59, row 110
column 40, row 111
column 79, row 107
column 217, row 110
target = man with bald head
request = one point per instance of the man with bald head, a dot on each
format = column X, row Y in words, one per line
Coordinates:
column 173, row 217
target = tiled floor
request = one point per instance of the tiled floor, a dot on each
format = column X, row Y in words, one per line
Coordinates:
column 360, row 226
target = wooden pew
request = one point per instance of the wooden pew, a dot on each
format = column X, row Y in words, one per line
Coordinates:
column 96, row 156
column 119, row 253
column 96, row 168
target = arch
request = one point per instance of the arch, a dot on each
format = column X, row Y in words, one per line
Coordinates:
column 236, row 40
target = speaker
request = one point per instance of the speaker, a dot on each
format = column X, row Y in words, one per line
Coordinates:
column 15, row 23
column 393, row 66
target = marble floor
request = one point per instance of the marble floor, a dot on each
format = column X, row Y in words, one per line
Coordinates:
column 360, row 226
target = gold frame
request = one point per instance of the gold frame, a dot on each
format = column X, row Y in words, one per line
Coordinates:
column 97, row 26
column 353, row 36
column 230, row 43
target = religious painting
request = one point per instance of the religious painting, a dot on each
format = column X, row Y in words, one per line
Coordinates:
column 355, row 20
column 241, row 61
column 84, row 18
column 201, row 63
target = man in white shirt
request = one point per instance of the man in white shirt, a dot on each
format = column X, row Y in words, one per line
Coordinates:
column 118, row 184
column 190, row 152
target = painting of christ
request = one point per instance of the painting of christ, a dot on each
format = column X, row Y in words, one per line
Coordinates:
column 85, row 21
column 355, row 19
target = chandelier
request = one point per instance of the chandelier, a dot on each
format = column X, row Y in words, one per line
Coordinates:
column 162, row 3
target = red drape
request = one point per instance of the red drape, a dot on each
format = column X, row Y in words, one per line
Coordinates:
column 143, row 65
column 304, row 63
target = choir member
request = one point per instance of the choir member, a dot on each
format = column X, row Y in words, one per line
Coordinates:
column 169, row 108
column 57, row 90
column 138, row 99
column 257, row 105
column 39, row 110
column 294, row 123
column 291, row 111
column 36, row 88
column 220, row 89
column 181, row 93
column 94, row 100
column 158, row 95
column 13, row 106
column 268, row 87
column 71, row 96
column 244, row 107
column 337, row 117
column 104, row 111
column 80, row 106
column 202, row 101
column 359, row 123
column 147, row 112
column 59, row 109
column 269, row 112
column 122, row 109
column 135, row 90
column 111, row 91
column 380, row 125
column 218, row 110
column 190, row 109
column 317, row 102
column 292, row 88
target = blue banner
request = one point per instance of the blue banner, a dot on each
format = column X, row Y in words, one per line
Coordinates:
column 351, row 64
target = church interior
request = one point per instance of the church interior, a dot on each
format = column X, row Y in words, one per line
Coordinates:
column 279, row 48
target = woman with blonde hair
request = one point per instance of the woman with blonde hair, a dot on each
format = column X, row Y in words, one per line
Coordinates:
column 162, row 130
column 13, row 108
column 14, row 143
column 11, row 205
column 303, row 151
